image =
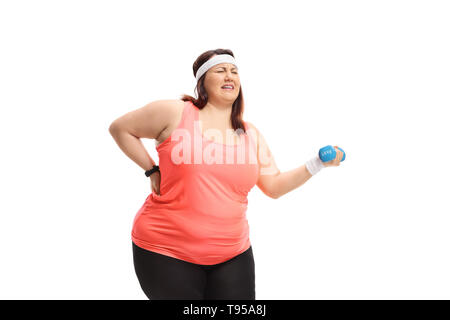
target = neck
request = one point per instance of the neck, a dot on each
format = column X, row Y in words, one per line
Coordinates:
column 218, row 110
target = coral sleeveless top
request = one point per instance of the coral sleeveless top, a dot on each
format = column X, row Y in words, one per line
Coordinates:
column 200, row 214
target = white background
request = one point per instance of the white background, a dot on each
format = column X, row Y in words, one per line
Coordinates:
column 369, row 76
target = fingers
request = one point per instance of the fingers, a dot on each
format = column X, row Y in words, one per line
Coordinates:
column 339, row 156
column 155, row 184
column 155, row 190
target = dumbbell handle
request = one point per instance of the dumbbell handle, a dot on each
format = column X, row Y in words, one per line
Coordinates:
column 328, row 153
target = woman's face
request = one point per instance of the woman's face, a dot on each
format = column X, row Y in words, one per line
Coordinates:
column 220, row 75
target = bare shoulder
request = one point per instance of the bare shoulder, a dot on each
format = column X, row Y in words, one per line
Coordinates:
column 260, row 141
column 170, row 105
column 253, row 132
column 266, row 159
column 150, row 120
column 174, row 109
column 252, row 127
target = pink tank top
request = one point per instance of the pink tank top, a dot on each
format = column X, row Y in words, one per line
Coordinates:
column 200, row 214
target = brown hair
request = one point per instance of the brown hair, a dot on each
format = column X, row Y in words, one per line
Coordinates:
column 238, row 105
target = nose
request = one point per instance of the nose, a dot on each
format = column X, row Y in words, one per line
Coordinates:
column 228, row 74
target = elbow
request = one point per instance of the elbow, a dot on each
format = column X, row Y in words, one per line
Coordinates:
column 113, row 128
column 269, row 186
column 274, row 187
column 275, row 195
column 272, row 194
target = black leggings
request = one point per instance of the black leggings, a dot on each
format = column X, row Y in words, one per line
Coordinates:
column 166, row 278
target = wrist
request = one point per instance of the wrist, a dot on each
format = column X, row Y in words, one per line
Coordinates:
column 151, row 171
column 314, row 165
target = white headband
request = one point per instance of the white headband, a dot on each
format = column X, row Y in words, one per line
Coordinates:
column 220, row 58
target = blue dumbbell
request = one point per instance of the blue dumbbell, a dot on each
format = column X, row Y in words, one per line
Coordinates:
column 328, row 153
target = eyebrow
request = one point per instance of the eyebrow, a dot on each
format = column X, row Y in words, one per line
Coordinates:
column 225, row 68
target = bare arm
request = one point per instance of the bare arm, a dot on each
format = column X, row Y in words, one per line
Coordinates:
column 271, row 181
column 146, row 122
column 290, row 180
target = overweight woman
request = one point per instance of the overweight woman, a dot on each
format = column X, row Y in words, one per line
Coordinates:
column 190, row 238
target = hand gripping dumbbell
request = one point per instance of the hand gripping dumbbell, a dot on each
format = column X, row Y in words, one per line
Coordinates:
column 328, row 153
